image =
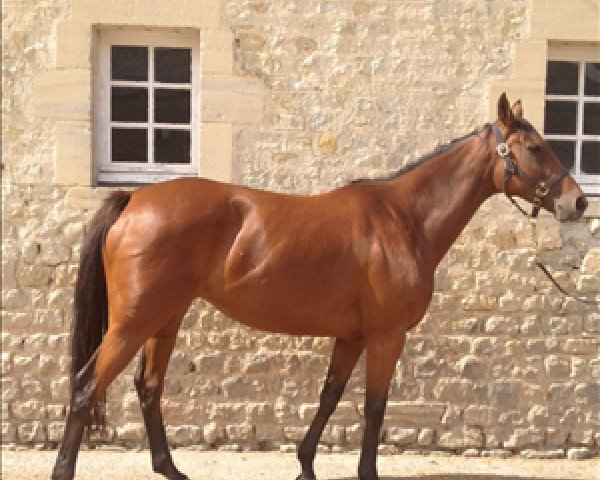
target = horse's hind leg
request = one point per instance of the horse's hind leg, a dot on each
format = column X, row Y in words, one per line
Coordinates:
column 116, row 350
column 149, row 383
column 343, row 360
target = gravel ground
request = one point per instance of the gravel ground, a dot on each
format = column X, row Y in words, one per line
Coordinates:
column 130, row 465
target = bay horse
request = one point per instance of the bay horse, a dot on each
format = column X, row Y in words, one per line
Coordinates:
column 356, row 264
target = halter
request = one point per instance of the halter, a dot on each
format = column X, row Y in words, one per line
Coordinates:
column 541, row 188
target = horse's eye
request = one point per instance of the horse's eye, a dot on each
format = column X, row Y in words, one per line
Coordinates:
column 534, row 148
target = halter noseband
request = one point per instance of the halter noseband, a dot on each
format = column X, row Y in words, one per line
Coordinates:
column 541, row 188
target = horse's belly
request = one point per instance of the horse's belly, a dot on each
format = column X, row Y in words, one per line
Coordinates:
column 292, row 314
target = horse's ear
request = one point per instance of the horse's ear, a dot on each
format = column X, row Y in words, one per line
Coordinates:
column 505, row 114
column 517, row 109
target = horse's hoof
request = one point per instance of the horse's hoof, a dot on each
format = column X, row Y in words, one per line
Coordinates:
column 304, row 476
column 61, row 473
column 171, row 473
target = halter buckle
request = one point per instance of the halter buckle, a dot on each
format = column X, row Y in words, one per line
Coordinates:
column 542, row 189
column 503, row 149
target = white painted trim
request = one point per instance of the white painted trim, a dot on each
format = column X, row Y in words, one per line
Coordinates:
column 581, row 54
column 129, row 172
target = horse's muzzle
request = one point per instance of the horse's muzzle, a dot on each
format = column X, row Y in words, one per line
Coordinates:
column 569, row 210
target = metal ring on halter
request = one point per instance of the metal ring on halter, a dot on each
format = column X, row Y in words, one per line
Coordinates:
column 503, row 149
column 542, row 189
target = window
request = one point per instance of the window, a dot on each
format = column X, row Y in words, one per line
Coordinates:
column 147, row 105
column 572, row 117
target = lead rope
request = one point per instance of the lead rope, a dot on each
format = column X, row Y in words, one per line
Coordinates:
column 541, row 190
column 544, row 269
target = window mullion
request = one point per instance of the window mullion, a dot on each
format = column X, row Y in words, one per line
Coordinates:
column 151, row 105
column 580, row 112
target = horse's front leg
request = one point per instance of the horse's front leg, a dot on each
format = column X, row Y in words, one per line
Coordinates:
column 343, row 360
column 382, row 355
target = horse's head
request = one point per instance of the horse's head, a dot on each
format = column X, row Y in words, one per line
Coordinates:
column 527, row 167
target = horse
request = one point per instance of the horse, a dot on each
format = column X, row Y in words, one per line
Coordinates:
column 356, row 264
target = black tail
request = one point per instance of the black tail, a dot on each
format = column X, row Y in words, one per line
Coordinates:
column 91, row 303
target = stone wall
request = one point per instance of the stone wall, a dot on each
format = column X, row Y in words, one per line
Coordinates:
column 501, row 363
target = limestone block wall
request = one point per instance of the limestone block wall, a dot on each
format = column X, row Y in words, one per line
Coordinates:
column 501, row 363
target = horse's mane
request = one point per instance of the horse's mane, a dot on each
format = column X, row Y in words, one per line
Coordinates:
column 421, row 160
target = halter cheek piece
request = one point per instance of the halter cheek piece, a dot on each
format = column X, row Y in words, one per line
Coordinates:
column 541, row 188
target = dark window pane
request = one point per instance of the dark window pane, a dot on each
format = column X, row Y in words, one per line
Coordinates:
column 592, row 79
column 171, row 146
column 590, row 158
column 171, row 105
column 560, row 118
column 172, row 65
column 562, row 78
column 128, row 63
column 129, row 104
column 129, row 145
column 565, row 151
column 591, row 118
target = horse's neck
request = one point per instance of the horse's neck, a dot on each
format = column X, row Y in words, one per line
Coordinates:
column 446, row 191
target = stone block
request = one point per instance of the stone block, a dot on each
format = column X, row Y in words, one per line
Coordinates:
column 63, row 94
column 231, row 106
column 531, row 60
column 523, row 437
column 217, row 147
column 401, row 436
column 212, row 433
column 582, row 437
column 471, row 367
column 294, row 434
column 414, row 413
column 9, row 433
column 480, row 415
column 557, row 367
column 562, row 325
column 581, row 346
column 56, row 431
column 257, row 412
column 543, row 454
column 237, row 387
column 131, row 432
column 588, row 393
column 581, row 453
column 31, row 432
column 501, row 325
column 354, row 434
column 73, row 160
column 29, row 410
column 504, row 394
column 461, row 437
column 454, row 390
column 577, row 20
column 74, row 46
column 538, row 415
column 268, row 433
column 334, row 435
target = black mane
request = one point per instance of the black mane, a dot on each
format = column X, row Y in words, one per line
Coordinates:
column 420, row 161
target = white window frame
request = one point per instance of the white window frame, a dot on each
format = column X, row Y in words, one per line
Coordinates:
column 577, row 53
column 109, row 172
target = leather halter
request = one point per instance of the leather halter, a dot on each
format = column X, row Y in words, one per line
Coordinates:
column 541, row 188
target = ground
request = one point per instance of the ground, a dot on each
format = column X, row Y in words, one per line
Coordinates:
column 101, row 465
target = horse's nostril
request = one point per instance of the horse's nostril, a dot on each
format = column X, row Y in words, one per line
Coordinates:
column 581, row 204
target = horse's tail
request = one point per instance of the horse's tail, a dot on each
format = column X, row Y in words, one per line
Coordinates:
column 91, row 302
